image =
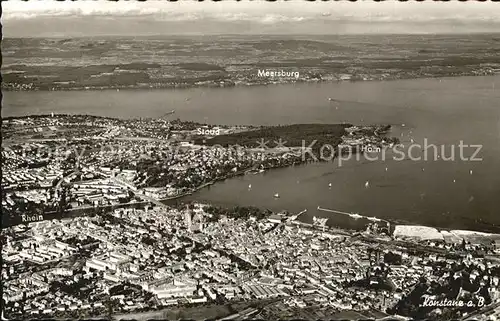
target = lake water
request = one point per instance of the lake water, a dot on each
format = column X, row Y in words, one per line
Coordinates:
column 443, row 111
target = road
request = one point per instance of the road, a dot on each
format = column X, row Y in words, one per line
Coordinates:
column 133, row 189
column 69, row 176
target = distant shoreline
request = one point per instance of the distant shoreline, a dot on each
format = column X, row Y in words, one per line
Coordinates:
column 183, row 86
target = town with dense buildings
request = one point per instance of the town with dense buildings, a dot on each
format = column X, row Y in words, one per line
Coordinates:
column 87, row 232
column 57, row 163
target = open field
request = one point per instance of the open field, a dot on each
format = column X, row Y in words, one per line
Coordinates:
column 167, row 62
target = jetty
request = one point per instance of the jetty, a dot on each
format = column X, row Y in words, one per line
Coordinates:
column 294, row 217
column 353, row 215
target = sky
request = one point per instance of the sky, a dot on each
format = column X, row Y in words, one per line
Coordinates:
column 43, row 18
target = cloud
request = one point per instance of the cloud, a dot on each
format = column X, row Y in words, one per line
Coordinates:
column 255, row 16
column 253, row 11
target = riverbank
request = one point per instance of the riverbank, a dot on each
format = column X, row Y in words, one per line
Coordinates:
column 70, row 213
column 228, row 176
column 409, row 232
